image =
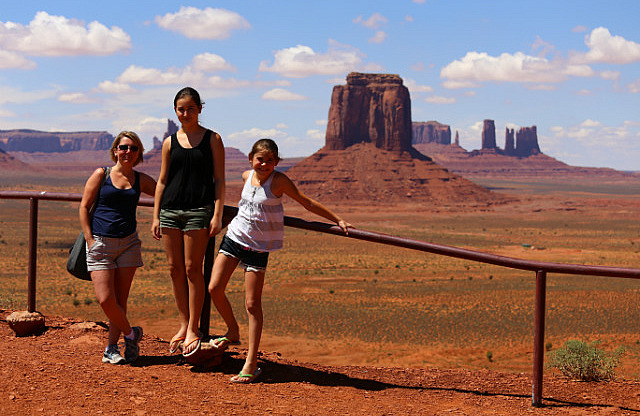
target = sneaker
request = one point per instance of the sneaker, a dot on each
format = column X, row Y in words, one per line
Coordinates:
column 112, row 356
column 131, row 348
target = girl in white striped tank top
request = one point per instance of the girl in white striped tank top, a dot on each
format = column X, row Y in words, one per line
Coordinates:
column 256, row 230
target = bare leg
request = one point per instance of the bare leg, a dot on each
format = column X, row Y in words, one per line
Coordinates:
column 174, row 248
column 112, row 290
column 254, row 282
column 195, row 247
column 223, row 268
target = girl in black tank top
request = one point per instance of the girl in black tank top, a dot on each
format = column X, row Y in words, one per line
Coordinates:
column 191, row 182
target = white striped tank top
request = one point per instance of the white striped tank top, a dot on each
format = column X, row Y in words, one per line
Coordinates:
column 259, row 224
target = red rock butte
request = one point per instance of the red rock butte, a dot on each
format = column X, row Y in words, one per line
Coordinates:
column 368, row 155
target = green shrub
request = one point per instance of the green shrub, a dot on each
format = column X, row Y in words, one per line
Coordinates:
column 581, row 361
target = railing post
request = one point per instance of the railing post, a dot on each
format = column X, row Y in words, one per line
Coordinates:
column 33, row 255
column 538, row 348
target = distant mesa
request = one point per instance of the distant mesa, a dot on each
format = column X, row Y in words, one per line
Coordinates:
column 32, row 141
column 521, row 158
column 430, row 132
column 368, row 154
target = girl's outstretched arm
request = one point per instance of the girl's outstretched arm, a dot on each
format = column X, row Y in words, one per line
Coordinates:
column 283, row 185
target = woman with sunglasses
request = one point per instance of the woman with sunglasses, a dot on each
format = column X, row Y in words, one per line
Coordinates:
column 187, row 211
column 113, row 246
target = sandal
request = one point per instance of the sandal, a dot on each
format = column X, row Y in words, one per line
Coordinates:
column 176, row 344
column 195, row 349
column 246, row 378
column 222, row 343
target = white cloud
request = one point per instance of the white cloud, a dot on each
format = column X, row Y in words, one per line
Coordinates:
column 110, row 87
column 13, row 95
column 584, row 92
column 452, row 85
column 605, row 48
column 634, row 87
column 6, row 114
column 197, row 23
column 301, row 61
column 322, row 122
column 579, row 29
column 195, row 73
column 75, row 97
column 590, row 123
column 13, row 60
column 518, row 67
column 48, row 35
column 316, row 136
column 246, row 138
column 280, row 94
column 541, row 87
column 434, row 99
column 610, row 75
column 373, row 22
column 415, row 88
column 379, row 37
column 210, row 62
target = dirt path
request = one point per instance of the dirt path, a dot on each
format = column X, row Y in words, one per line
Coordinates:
column 60, row 372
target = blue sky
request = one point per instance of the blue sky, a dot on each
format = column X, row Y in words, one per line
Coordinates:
column 266, row 69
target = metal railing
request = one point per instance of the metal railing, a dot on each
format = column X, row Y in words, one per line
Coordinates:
column 540, row 268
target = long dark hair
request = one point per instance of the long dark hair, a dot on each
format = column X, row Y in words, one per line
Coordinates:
column 188, row 92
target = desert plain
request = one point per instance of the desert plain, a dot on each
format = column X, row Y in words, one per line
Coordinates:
column 331, row 300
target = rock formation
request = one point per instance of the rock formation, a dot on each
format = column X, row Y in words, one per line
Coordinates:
column 370, row 108
column 430, row 132
column 489, row 135
column 509, row 144
column 368, row 154
column 527, row 142
column 457, row 141
column 171, row 128
column 48, row 142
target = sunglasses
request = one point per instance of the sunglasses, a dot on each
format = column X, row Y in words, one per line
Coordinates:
column 125, row 147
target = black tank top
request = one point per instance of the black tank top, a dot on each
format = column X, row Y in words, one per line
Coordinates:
column 190, row 182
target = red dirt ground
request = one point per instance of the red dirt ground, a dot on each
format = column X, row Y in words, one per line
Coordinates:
column 60, row 372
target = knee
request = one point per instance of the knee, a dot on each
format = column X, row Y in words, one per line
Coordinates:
column 176, row 270
column 106, row 299
column 193, row 270
column 216, row 290
column 253, row 307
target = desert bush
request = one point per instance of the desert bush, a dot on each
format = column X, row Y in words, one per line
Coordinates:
column 582, row 361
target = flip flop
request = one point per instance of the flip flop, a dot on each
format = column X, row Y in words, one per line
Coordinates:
column 193, row 351
column 222, row 343
column 246, row 378
column 175, row 344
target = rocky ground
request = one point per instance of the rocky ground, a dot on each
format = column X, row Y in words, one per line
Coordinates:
column 60, row 372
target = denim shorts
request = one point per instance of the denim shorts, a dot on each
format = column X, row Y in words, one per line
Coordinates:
column 250, row 260
column 112, row 253
column 186, row 219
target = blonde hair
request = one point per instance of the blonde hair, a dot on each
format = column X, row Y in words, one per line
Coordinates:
column 131, row 135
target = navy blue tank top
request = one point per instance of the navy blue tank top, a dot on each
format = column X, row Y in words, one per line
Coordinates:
column 190, row 181
column 115, row 214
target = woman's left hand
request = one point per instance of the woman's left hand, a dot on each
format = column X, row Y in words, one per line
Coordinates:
column 345, row 226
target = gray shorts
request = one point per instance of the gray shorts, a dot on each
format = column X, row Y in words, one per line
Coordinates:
column 186, row 219
column 112, row 253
